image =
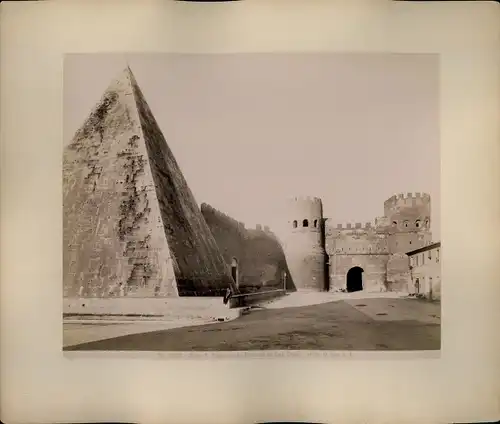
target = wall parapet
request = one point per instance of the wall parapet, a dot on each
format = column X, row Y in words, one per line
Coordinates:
column 263, row 228
column 222, row 217
column 405, row 197
column 350, row 226
column 363, row 250
column 260, row 231
column 310, row 199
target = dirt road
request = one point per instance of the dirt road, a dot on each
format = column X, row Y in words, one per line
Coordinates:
column 364, row 324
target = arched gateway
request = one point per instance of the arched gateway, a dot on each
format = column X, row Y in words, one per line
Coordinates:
column 354, row 279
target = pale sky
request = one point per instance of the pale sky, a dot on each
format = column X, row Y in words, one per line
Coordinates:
column 250, row 130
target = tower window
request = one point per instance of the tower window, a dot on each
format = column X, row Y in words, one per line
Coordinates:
column 394, row 223
column 315, row 223
column 295, row 224
column 417, row 223
column 406, row 224
column 305, row 223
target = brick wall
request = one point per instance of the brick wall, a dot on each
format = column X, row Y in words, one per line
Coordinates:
column 260, row 257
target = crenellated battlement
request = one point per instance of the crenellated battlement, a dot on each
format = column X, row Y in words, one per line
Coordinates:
column 350, row 226
column 376, row 249
column 406, row 198
column 306, row 199
column 305, row 207
column 221, row 216
column 262, row 229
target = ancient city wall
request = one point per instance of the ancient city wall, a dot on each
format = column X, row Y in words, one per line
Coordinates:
column 406, row 200
column 379, row 248
column 374, row 270
column 265, row 259
column 354, row 238
column 408, row 212
column 403, row 242
column 304, row 243
column 261, row 260
column 228, row 233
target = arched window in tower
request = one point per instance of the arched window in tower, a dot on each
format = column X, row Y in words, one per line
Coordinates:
column 295, row 224
column 315, row 223
column 305, row 223
column 394, row 223
column 427, row 222
column 418, row 223
column 406, row 224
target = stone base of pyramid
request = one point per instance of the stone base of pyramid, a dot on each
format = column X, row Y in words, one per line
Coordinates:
column 120, row 308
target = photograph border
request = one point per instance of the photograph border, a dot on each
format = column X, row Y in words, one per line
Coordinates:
column 460, row 386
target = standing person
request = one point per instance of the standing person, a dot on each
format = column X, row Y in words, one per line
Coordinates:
column 227, row 296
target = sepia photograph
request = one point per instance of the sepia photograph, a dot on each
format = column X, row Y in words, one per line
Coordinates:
column 251, row 202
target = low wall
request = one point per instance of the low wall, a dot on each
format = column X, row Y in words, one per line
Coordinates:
column 241, row 300
column 172, row 308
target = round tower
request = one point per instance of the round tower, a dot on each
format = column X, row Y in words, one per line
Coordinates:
column 304, row 243
column 409, row 221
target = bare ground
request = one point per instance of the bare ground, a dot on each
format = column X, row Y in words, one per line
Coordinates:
column 368, row 324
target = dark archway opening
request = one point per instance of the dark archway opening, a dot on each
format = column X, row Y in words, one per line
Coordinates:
column 234, row 271
column 354, row 279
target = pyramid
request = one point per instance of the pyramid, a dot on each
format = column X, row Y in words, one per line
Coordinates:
column 132, row 226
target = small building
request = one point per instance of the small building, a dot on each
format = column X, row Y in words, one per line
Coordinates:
column 425, row 271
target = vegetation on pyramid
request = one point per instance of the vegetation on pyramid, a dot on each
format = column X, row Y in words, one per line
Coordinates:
column 132, row 226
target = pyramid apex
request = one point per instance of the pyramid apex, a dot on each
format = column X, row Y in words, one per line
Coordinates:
column 128, row 69
column 124, row 79
column 128, row 74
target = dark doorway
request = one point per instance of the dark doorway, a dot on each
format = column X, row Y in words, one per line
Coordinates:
column 355, row 279
column 234, row 271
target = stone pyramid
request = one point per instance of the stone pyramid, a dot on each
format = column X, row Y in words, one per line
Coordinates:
column 131, row 224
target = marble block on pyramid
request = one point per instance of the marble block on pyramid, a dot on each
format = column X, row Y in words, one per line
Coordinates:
column 131, row 224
